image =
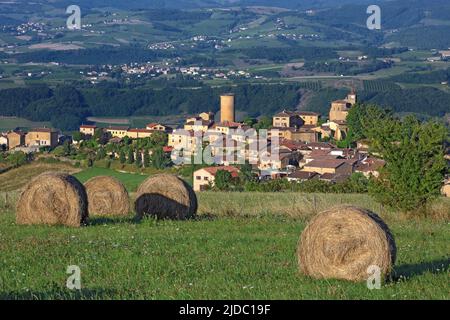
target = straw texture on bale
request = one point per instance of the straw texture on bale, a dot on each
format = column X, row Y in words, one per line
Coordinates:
column 53, row 199
column 107, row 196
column 166, row 197
column 343, row 242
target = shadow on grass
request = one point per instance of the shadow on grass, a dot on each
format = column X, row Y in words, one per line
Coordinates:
column 205, row 217
column 407, row 271
column 98, row 221
column 60, row 294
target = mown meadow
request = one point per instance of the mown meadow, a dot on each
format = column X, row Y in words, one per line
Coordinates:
column 241, row 246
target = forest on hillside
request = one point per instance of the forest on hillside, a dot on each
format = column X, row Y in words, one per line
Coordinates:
column 68, row 106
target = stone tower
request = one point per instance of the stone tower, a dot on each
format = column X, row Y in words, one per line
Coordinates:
column 227, row 108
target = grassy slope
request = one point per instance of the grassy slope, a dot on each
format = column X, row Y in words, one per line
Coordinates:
column 17, row 178
column 131, row 181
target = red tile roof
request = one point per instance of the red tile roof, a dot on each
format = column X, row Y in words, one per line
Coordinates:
column 140, row 130
column 303, row 175
column 334, row 177
column 370, row 165
column 319, row 153
column 323, row 145
column 326, row 163
column 292, row 145
column 228, row 124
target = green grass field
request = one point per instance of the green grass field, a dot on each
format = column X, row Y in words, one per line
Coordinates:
column 241, row 246
column 208, row 258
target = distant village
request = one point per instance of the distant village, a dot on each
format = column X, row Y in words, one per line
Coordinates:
column 303, row 153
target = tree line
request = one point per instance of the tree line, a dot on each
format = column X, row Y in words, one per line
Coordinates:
column 66, row 107
column 347, row 68
column 96, row 56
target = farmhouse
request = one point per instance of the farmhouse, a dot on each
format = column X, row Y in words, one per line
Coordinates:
column 158, row 127
column 198, row 124
column 226, row 127
column 287, row 119
column 338, row 129
column 205, row 177
column 15, row 139
column 309, row 118
column 333, row 166
column 183, row 140
column 117, row 132
column 42, row 137
column 302, row 134
column 139, row 133
column 282, row 162
column 88, row 129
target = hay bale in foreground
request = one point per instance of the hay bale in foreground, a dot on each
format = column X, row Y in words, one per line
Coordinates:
column 166, row 197
column 341, row 243
column 107, row 196
column 53, row 199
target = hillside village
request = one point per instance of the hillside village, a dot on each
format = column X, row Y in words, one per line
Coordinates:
column 304, row 149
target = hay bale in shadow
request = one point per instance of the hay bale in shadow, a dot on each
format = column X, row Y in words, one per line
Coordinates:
column 341, row 243
column 107, row 196
column 53, row 199
column 166, row 197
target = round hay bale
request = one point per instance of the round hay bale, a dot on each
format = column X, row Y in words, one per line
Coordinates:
column 341, row 243
column 107, row 196
column 166, row 197
column 53, row 199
